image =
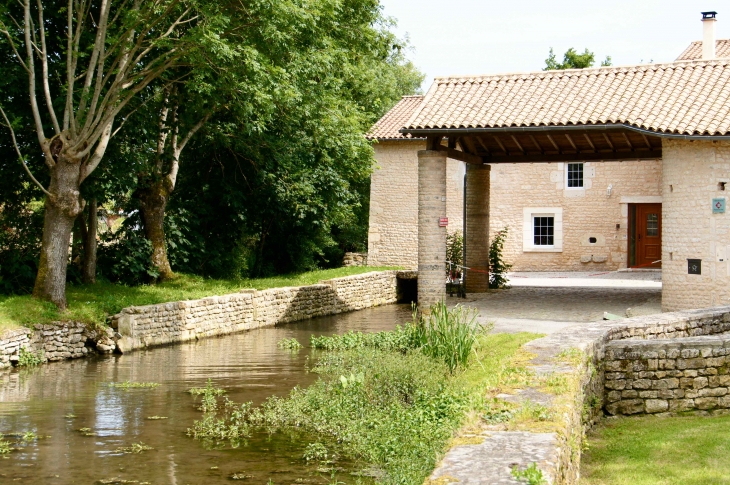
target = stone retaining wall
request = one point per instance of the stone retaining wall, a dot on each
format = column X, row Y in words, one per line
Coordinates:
column 678, row 360
column 53, row 342
column 667, row 375
column 220, row 315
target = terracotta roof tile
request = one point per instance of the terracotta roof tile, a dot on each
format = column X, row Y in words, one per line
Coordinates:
column 689, row 98
column 694, row 51
column 387, row 127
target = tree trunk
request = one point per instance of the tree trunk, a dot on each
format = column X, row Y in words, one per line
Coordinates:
column 153, row 202
column 61, row 210
column 88, row 273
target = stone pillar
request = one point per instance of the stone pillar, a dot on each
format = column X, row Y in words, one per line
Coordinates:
column 431, row 237
column 477, row 227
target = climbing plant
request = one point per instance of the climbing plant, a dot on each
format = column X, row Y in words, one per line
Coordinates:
column 498, row 267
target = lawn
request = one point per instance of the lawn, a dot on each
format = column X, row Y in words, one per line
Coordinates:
column 93, row 303
column 687, row 450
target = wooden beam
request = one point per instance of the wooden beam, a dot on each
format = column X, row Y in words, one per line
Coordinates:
column 627, row 141
column 514, row 139
column 483, row 145
column 588, row 139
column 452, row 141
column 461, row 156
column 433, row 142
column 608, row 140
column 586, row 156
column 499, row 142
column 554, row 144
column 534, row 141
column 646, row 140
column 572, row 144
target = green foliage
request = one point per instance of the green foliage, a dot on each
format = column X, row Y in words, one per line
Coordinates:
column 531, row 475
column 317, row 452
column 20, row 242
column 289, row 343
column 226, row 423
column 28, row 358
column 447, row 335
column 397, row 413
column 455, row 247
column 5, row 446
column 498, row 268
column 124, row 256
column 573, row 60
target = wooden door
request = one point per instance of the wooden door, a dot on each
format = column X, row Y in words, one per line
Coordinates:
column 648, row 235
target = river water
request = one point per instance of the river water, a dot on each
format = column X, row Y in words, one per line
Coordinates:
column 54, row 401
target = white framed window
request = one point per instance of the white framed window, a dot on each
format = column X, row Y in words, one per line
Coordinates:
column 574, row 175
column 542, row 229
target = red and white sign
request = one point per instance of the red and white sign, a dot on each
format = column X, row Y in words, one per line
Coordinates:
column 443, row 221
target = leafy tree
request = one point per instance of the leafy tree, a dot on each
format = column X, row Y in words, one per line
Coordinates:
column 573, row 60
column 85, row 62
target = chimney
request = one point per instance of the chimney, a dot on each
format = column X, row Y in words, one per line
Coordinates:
column 708, row 35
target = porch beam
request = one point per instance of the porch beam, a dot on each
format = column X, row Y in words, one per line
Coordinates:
column 586, row 156
column 461, row 156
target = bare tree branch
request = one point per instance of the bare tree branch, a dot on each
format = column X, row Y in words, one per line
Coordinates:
column 31, row 85
column 44, row 66
column 12, row 45
column 20, row 155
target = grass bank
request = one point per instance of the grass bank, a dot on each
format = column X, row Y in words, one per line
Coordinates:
column 391, row 400
column 93, row 303
column 687, row 450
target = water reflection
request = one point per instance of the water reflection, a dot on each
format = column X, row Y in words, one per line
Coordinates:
column 58, row 400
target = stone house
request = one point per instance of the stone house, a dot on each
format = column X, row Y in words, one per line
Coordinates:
column 592, row 169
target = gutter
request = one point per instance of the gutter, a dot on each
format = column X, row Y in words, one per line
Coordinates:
column 539, row 129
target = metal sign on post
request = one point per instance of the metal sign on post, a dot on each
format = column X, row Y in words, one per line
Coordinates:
column 443, row 221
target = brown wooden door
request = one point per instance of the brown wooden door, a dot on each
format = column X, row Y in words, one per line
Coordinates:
column 648, row 235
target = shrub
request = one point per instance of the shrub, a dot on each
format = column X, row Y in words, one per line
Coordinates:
column 498, row 268
column 455, row 247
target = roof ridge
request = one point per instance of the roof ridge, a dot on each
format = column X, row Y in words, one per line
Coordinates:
column 588, row 70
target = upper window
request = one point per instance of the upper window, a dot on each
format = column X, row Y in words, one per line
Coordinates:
column 543, row 230
column 575, row 175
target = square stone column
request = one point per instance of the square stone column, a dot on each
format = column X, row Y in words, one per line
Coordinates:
column 476, row 238
column 431, row 237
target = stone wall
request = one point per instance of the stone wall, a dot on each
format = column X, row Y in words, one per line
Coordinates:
column 53, row 342
column 355, row 259
column 587, row 212
column 660, row 376
column 695, row 173
column 393, row 230
column 678, row 360
column 220, row 315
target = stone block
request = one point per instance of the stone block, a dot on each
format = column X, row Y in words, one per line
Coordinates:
column 656, row 406
column 699, row 382
column 705, row 403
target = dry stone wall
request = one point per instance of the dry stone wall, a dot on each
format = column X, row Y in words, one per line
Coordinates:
column 220, row 315
column 53, row 342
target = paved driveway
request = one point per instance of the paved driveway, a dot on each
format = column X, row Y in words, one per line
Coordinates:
column 548, row 302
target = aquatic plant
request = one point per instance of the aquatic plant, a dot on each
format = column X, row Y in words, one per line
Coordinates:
column 86, row 432
column 229, row 422
column 29, row 436
column 135, row 448
column 207, row 390
column 5, row 446
column 28, row 358
column 289, row 344
column 156, row 418
column 127, row 385
column 317, row 452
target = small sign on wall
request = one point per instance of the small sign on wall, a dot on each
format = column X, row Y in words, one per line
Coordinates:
column 694, row 266
column 718, row 206
column 443, row 221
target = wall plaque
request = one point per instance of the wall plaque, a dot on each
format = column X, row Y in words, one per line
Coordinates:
column 718, row 206
column 694, row 266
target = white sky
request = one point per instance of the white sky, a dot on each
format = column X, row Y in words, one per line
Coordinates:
column 456, row 37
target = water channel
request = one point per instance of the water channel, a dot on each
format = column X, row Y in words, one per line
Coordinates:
column 54, row 401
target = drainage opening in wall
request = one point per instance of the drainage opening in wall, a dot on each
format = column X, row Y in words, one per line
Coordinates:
column 407, row 290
